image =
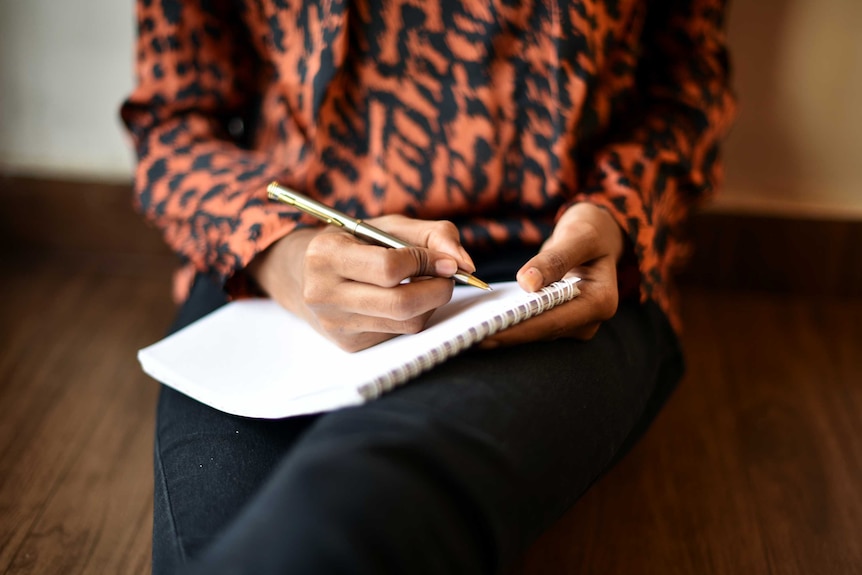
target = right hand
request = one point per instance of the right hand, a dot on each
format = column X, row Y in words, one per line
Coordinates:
column 354, row 293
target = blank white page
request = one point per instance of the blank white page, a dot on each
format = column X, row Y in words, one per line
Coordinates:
column 253, row 358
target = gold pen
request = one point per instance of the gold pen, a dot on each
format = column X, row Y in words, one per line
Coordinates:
column 367, row 232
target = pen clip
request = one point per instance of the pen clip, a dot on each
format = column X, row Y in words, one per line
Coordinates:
column 325, row 218
column 307, row 205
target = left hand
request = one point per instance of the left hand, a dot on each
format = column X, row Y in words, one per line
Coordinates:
column 588, row 243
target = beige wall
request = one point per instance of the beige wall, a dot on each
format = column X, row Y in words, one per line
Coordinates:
column 797, row 147
column 64, row 69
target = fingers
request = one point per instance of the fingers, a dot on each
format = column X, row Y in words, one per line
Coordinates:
column 392, row 306
column 579, row 318
column 346, row 257
column 356, row 315
column 355, row 293
column 585, row 233
column 440, row 236
column 586, row 242
column 558, row 256
column 353, row 328
column 535, row 330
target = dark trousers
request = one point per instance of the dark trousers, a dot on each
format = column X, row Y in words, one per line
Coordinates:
column 456, row 472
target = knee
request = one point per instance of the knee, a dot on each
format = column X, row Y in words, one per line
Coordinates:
column 425, row 490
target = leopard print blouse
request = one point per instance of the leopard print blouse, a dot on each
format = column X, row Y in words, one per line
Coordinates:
column 496, row 115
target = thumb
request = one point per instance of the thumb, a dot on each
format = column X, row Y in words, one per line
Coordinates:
column 562, row 252
column 420, row 261
column 438, row 235
column 546, row 267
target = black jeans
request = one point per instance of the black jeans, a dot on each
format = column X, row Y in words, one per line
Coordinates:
column 456, row 472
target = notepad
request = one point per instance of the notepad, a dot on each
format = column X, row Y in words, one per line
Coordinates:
column 255, row 359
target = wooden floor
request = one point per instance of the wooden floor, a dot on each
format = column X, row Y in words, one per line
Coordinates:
column 76, row 425
column 755, row 466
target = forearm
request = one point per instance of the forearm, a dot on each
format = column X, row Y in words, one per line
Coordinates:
column 208, row 196
column 196, row 180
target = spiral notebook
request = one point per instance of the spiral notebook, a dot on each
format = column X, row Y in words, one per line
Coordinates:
column 255, row 359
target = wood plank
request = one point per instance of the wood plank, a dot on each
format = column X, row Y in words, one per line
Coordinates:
column 73, row 216
column 75, row 469
column 818, row 257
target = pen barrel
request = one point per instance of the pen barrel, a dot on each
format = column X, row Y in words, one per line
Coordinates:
column 377, row 236
column 380, row 237
column 324, row 213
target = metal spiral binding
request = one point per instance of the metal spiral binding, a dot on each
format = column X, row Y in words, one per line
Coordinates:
column 543, row 300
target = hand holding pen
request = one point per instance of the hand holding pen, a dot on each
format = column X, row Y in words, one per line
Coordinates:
column 352, row 291
column 357, row 227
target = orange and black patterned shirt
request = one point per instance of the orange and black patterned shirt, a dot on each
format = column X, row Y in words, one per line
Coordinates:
column 496, row 115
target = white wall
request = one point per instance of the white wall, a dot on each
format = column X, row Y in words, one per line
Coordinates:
column 64, row 69
column 797, row 147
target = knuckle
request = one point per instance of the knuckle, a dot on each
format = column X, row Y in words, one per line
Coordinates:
column 400, row 264
column 318, row 252
column 413, row 325
column 351, row 344
column 556, row 263
column 590, row 233
column 312, row 295
column 420, row 259
column 445, row 228
column 390, row 268
column 333, row 329
column 401, row 307
column 395, row 306
column 317, row 246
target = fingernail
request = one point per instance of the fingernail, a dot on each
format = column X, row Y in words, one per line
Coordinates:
column 535, row 273
column 445, row 267
column 531, row 278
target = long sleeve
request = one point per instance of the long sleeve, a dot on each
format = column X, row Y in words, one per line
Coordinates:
column 196, row 180
column 391, row 118
column 663, row 158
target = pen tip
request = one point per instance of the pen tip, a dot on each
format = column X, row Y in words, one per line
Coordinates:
column 471, row 280
column 474, row 281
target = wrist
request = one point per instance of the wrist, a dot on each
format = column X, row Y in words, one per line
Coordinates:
column 277, row 269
